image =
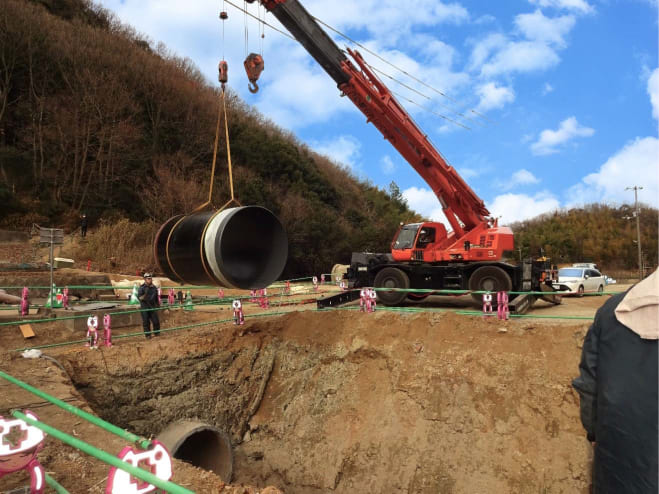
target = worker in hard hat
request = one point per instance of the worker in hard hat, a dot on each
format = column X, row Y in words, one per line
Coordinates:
column 149, row 303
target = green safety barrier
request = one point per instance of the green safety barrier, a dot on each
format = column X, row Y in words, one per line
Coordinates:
column 132, row 335
column 84, row 316
column 456, row 311
column 128, row 436
column 223, row 301
column 137, row 282
column 103, row 456
column 56, row 487
column 394, row 309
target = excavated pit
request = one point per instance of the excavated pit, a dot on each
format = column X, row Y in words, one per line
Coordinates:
column 349, row 402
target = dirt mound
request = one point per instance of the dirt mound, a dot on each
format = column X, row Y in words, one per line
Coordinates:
column 350, row 402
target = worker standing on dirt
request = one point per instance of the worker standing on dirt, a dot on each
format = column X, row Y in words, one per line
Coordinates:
column 148, row 297
column 618, row 384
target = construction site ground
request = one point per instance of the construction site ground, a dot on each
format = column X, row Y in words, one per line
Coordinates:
column 333, row 401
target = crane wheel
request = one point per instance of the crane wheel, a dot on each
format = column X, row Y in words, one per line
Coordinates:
column 489, row 278
column 417, row 297
column 391, row 278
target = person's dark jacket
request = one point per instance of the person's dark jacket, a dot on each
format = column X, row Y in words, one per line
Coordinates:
column 148, row 296
column 618, row 387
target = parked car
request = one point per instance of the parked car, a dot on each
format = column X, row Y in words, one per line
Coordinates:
column 579, row 281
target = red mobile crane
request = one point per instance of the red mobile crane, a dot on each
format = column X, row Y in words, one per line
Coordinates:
column 423, row 255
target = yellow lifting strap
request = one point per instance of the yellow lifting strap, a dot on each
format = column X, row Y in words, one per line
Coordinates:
column 221, row 107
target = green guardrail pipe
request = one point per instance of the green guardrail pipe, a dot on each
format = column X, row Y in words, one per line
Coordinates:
column 128, row 436
column 56, row 487
column 166, row 330
column 104, row 456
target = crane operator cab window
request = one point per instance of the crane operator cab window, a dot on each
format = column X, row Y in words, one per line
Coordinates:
column 426, row 237
column 406, row 236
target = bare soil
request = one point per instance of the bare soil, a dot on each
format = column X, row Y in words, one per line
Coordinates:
column 318, row 402
column 331, row 401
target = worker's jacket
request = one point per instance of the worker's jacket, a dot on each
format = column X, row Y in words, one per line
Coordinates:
column 618, row 384
column 150, row 299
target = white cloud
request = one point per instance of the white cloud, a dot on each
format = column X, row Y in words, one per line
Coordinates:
column 547, row 88
column 383, row 19
column 520, row 177
column 433, row 64
column 485, row 19
column 637, row 163
column 524, row 177
column 484, row 48
column 653, row 91
column 316, row 100
column 493, row 96
column 343, row 150
column 511, row 207
column 467, row 173
column 536, row 26
column 425, row 202
column 542, row 36
column 387, row 165
column 521, row 56
column 549, row 139
column 577, row 5
column 518, row 207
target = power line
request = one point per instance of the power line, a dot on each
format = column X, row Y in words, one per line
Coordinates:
column 395, row 67
column 431, row 111
column 421, row 94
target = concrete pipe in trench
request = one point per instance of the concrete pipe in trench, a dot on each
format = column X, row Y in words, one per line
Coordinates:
column 200, row 444
column 244, row 247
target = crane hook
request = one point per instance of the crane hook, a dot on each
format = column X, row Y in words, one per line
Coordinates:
column 254, row 65
column 223, row 72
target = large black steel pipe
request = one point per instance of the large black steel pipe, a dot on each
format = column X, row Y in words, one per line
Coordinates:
column 244, row 247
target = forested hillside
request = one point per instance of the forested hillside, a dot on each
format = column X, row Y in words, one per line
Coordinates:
column 94, row 119
column 597, row 233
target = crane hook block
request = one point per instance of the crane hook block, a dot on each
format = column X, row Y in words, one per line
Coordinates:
column 223, row 15
column 223, row 68
column 254, row 65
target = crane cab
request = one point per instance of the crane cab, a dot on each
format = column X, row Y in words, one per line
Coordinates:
column 418, row 241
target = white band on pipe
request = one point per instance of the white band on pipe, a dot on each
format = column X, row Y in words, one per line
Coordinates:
column 212, row 240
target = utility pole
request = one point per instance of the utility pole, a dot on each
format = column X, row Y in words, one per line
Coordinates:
column 636, row 188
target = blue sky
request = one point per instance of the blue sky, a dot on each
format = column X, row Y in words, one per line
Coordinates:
column 569, row 90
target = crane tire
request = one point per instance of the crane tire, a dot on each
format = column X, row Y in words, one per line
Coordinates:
column 391, row 278
column 489, row 278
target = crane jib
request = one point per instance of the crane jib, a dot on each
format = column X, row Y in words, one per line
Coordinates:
column 315, row 40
